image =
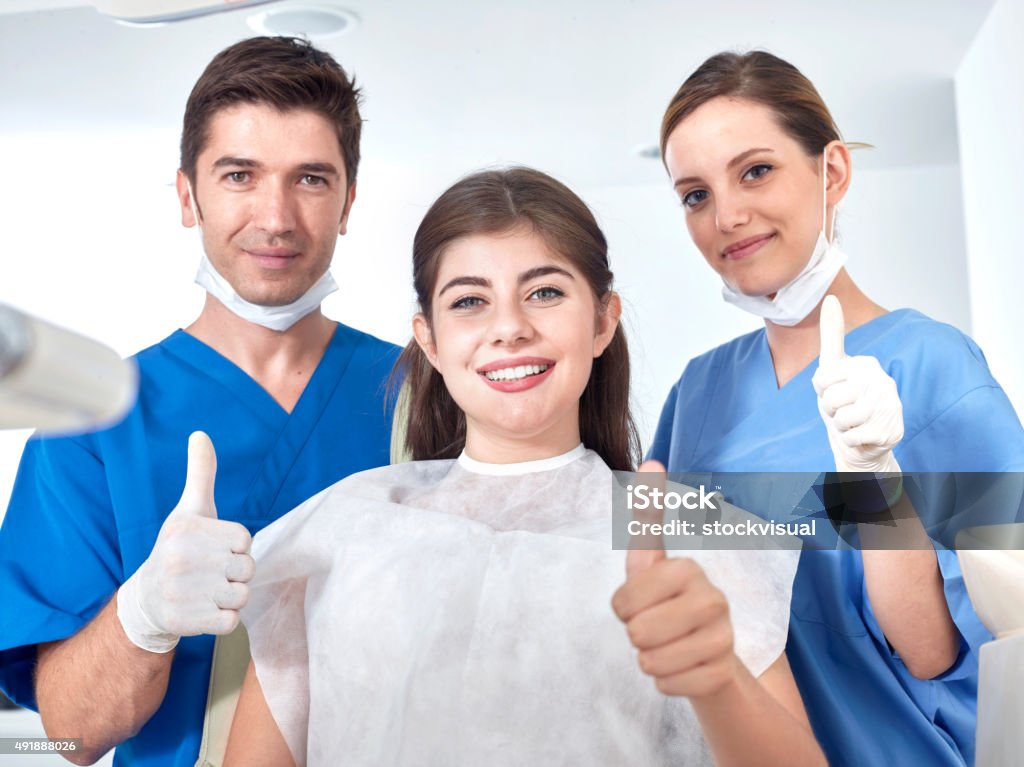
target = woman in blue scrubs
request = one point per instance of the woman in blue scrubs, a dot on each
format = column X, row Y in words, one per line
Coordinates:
column 882, row 643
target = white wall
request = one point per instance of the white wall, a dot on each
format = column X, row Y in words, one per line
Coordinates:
column 990, row 113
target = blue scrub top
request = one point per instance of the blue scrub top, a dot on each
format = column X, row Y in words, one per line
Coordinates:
column 727, row 413
column 85, row 510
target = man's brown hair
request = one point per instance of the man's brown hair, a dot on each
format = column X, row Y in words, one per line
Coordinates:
column 282, row 72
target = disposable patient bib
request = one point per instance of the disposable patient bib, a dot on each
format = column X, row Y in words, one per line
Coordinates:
column 793, row 302
column 278, row 318
column 457, row 613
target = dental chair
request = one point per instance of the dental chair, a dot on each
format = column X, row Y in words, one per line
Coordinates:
column 992, row 562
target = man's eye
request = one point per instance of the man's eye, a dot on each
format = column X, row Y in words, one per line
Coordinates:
column 238, row 176
column 310, row 180
column 694, row 198
column 757, row 172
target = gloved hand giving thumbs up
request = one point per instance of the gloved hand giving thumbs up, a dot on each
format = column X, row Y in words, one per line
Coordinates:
column 677, row 619
column 195, row 579
column 858, row 401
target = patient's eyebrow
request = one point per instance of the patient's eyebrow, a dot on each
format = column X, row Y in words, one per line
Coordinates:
column 542, row 271
column 479, row 282
column 483, row 282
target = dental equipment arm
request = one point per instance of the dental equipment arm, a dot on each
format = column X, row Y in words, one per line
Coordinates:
column 55, row 380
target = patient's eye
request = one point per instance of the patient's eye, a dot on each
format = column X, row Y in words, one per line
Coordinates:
column 467, row 302
column 547, row 293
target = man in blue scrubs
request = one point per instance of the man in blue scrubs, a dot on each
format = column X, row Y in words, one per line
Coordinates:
column 108, row 611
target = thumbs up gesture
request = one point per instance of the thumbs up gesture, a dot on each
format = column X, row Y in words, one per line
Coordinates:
column 858, row 401
column 195, row 579
column 676, row 618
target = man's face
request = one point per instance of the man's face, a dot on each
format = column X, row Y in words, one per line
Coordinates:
column 272, row 197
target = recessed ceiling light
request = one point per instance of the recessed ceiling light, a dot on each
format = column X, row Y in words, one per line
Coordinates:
column 311, row 20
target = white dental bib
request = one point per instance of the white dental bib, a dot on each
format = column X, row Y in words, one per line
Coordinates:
column 457, row 613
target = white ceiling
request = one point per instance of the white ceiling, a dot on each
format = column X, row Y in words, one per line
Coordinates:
column 569, row 86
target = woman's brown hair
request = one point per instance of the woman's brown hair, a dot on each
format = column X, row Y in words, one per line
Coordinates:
column 763, row 78
column 498, row 202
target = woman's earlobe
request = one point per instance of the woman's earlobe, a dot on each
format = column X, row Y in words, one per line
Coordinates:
column 839, row 166
column 607, row 322
column 424, row 338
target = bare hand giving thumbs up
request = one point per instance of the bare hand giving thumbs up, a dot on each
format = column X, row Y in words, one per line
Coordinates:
column 677, row 619
column 195, row 580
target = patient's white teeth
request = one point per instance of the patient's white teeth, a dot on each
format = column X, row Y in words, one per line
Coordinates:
column 514, row 374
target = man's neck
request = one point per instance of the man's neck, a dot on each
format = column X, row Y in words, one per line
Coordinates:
column 281, row 362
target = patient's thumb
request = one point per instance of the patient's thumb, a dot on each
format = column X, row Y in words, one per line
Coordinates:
column 646, row 546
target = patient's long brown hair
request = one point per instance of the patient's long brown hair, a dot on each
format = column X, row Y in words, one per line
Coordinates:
column 498, row 202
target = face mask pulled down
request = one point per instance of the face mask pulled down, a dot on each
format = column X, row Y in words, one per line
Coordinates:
column 278, row 318
column 793, row 302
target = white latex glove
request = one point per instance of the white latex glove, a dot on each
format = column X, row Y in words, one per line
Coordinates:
column 858, row 401
column 195, row 579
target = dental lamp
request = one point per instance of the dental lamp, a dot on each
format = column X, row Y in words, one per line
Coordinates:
column 57, row 381
column 145, row 12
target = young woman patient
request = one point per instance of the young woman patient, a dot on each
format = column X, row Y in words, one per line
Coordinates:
column 455, row 610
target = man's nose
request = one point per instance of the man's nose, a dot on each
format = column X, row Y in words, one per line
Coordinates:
column 274, row 211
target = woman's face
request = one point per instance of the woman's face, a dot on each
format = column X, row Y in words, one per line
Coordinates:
column 752, row 195
column 514, row 333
